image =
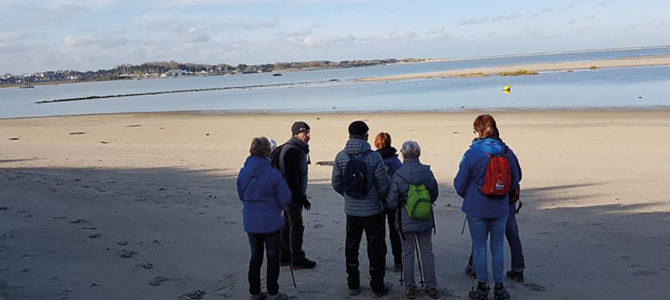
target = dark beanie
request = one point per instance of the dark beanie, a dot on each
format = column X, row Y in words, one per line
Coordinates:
column 299, row 127
column 358, row 128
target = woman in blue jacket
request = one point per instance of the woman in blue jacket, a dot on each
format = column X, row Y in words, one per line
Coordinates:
column 392, row 163
column 264, row 193
column 486, row 215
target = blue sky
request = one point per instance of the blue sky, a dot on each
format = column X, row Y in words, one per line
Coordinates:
column 44, row 35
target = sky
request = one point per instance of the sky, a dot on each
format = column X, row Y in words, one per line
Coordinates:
column 41, row 35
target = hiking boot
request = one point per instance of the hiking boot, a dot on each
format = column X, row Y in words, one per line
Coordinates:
column 278, row 296
column 516, row 276
column 410, row 293
column 480, row 293
column 397, row 267
column 433, row 292
column 500, row 293
column 259, row 296
column 303, row 263
column 385, row 291
column 355, row 291
column 470, row 272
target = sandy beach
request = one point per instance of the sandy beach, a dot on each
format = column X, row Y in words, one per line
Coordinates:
column 143, row 206
column 658, row 60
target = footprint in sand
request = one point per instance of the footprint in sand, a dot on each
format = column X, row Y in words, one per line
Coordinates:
column 194, row 295
column 146, row 266
column 123, row 253
column 158, row 280
column 534, row 287
column 94, row 236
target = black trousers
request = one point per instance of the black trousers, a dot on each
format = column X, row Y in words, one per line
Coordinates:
column 291, row 234
column 258, row 242
column 394, row 235
column 375, row 234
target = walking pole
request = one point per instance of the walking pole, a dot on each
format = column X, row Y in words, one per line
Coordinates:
column 418, row 258
column 290, row 264
column 463, row 229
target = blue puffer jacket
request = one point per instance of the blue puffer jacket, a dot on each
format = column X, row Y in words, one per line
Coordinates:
column 471, row 176
column 264, row 193
column 378, row 179
column 411, row 172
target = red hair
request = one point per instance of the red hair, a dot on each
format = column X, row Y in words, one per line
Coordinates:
column 382, row 140
column 485, row 126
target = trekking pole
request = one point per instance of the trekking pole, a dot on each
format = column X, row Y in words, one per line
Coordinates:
column 290, row 265
column 418, row 258
column 463, row 229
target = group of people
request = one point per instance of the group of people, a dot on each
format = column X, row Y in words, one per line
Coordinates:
column 378, row 187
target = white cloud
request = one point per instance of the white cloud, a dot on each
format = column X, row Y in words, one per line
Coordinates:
column 104, row 42
column 472, row 21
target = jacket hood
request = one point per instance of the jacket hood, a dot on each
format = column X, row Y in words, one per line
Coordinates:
column 387, row 152
column 256, row 164
column 489, row 145
column 356, row 146
column 298, row 143
column 413, row 171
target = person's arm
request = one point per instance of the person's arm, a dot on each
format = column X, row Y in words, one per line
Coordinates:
column 282, row 192
column 432, row 186
column 393, row 197
column 382, row 181
column 463, row 176
column 336, row 178
column 292, row 174
column 240, row 188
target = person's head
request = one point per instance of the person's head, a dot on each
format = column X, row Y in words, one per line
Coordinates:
column 260, row 146
column 410, row 149
column 273, row 145
column 300, row 131
column 358, row 130
column 485, row 126
column 382, row 140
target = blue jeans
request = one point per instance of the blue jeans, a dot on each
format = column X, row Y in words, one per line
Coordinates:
column 271, row 243
column 512, row 234
column 480, row 228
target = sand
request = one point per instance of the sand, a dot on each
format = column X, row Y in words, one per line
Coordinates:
column 143, row 206
column 656, row 60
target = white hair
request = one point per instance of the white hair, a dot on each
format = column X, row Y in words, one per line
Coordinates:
column 410, row 149
column 273, row 145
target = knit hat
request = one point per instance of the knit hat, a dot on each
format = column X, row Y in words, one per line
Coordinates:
column 299, row 127
column 358, row 128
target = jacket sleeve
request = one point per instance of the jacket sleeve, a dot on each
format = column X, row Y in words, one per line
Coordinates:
column 336, row 178
column 393, row 197
column 382, row 181
column 240, row 185
column 515, row 169
column 432, row 186
column 282, row 192
column 292, row 173
column 463, row 176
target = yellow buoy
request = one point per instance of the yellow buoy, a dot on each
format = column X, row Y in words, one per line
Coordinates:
column 507, row 89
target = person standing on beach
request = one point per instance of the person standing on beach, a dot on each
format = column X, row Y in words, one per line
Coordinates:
column 264, row 193
column 293, row 161
column 511, row 233
column 359, row 175
column 487, row 214
column 416, row 232
column 392, row 163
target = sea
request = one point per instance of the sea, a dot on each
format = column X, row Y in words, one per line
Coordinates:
column 337, row 90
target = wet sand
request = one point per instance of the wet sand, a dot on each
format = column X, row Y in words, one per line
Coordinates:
column 144, row 205
column 532, row 69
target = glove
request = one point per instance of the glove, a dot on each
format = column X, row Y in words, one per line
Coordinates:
column 306, row 204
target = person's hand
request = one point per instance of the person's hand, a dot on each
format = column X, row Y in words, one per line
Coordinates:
column 306, row 204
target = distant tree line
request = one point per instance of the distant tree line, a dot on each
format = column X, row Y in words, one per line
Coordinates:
column 157, row 69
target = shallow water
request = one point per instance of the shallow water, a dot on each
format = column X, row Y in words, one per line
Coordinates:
column 636, row 87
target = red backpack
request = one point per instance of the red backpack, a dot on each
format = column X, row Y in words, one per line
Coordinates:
column 498, row 176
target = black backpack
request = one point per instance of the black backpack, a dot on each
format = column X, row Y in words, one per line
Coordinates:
column 355, row 177
column 274, row 157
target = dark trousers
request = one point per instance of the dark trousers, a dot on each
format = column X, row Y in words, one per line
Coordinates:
column 375, row 234
column 512, row 235
column 269, row 241
column 394, row 235
column 291, row 234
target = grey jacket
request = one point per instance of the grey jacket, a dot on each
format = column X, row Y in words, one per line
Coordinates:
column 412, row 171
column 378, row 179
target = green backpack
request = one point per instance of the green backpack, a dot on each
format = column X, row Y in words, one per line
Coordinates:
column 418, row 204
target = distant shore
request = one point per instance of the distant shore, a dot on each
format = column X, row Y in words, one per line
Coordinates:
column 533, row 69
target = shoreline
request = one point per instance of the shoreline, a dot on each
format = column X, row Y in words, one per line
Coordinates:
column 533, row 69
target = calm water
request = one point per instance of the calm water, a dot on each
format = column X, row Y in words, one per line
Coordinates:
column 640, row 87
